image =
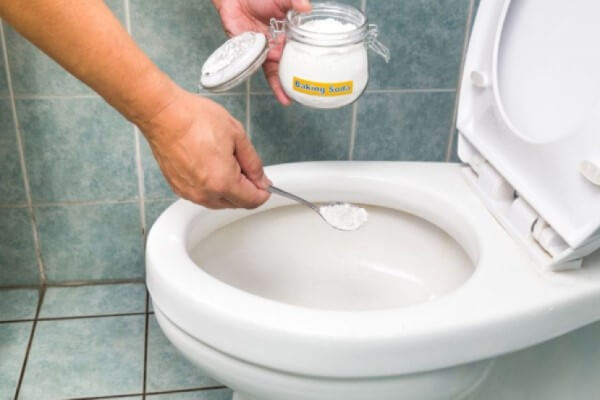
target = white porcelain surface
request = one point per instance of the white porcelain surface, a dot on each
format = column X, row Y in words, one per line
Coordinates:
column 253, row 382
column 529, row 105
column 508, row 303
column 288, row 254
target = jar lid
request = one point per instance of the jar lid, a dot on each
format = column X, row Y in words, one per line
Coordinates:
column 234, row 61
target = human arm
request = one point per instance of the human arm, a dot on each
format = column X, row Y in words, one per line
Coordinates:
column 202, row 150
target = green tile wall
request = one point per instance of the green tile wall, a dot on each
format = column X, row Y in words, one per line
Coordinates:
column 70, row 174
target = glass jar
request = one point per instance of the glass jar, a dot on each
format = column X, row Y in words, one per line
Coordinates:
column 324, row 62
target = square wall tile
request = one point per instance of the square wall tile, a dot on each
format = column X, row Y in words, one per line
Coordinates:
column 155, row 184
column 297, row 133
column 77, row 150
column 13, row 345
column 34, row 73
column 425, row 39
column 18, row 263
column 12, row 189
column 18, row 304
column 93, row 300
column 167, row 368
column 211, row 394
column 3, row 82
column 156, row 187
column 85, row 358
column 404, row 126
column 154, row 209
column 178, row 36
column 87, row 242
column 259, row 82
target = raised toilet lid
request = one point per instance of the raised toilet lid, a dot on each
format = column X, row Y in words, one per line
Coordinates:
column 529, row 123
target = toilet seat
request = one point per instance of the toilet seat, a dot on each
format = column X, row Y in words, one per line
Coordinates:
column 509, row 297
column 529, row 117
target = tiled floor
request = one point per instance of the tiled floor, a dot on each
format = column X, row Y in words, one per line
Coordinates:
column 88, row 342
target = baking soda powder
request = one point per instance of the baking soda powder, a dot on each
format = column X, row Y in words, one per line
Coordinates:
column 344, row 216
column 324, row 76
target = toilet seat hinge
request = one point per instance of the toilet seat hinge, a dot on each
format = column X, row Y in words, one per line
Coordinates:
column 517, row 216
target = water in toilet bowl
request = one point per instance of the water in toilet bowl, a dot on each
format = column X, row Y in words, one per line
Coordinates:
column 382, row 265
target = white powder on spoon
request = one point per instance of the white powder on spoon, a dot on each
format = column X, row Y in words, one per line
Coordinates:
column 344, row 216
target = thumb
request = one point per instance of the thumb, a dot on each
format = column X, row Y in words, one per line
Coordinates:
column 250, row 162
column 298, row 5
column 301, row 5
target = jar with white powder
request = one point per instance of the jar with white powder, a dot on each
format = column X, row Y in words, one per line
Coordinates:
column 324, row 62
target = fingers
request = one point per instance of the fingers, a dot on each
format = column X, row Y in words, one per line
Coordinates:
column 219, row 204
column 213, row 202
column 250, row 163
column 301, row 5
column 271, row 69
column 211, row 161
column 243, row 193
column 298, row 5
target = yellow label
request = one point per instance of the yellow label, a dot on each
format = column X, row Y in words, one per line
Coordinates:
column 323, row 89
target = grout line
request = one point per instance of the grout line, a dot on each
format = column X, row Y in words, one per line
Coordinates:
column 459, row 81
column 248, row 126
column 137, row 149
column 94, row 282
column 14, row 321
column 84, row 203
column 13, row 287
column 116, row 396
column 354, row 123
column 353, row 131
column 146, row 329
column 127, row 16
column 75, row 317
column 35, row 233
column 42, row 292
column 159, row 199
column 140, row 181
column 69, row 318
column 200, row 389
column 13, row 205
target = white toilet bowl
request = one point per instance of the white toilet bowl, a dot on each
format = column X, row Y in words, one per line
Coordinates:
column 457, row 265
column 470, row 292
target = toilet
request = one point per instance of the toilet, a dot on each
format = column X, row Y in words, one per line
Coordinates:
column 458, row 263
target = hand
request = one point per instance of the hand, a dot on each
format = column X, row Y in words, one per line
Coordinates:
column 205, row 154
column 240, row 16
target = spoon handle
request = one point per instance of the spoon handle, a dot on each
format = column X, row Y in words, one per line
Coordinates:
column 276, row 190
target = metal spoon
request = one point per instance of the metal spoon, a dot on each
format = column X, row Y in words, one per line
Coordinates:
column 318, row 210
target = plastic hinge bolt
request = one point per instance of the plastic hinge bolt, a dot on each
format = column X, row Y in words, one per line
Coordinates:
column 479, row 79
column 590, row 171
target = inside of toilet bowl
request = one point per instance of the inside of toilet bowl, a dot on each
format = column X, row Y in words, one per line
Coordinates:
column 288, row 254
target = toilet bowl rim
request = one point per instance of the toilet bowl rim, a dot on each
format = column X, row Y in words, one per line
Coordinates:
column 288, row 324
